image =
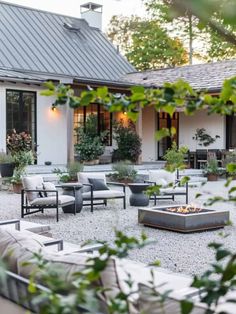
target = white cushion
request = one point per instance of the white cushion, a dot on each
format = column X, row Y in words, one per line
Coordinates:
column 49, row 186
column 31, row 183
column 83, row 178
column 103, row 194
column 51, row 200
column 162, row 177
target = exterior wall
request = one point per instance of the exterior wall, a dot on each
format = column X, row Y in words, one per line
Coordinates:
column 214, row 125
column 51, row 126
column 149, row 144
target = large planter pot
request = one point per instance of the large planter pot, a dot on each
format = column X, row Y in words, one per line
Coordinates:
column 91, row 162
column 17, row 187
column 7, row 169
column 212, row 177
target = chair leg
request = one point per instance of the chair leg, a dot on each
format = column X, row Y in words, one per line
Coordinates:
column 57, row 214
column 75, row 208
column 105, row 202
column 124, row 202
column 155, row 199
column 42, row 210
column 173, row 197
column 91, row 205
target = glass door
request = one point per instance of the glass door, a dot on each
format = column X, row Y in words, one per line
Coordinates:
column 165, row 121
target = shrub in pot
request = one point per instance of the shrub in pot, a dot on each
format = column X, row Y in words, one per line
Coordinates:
column 230, row 159
column 20, row 147
column 128, row 142
column 212, row 170
column 6, row 164
column 70, row 175
column 90, row 144
column 174, row 157
column 123, row 172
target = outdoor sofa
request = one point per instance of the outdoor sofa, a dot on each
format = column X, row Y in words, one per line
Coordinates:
column 23, row 243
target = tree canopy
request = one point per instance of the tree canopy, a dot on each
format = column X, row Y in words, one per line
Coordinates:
column 145, row 43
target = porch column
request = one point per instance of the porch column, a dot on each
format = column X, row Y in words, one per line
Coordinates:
column 70, row 133
column 139, row 129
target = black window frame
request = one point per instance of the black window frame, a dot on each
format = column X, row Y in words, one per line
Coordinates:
column 169, row 140
column 21, row 91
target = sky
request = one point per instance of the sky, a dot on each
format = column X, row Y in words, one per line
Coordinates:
column 72, row 7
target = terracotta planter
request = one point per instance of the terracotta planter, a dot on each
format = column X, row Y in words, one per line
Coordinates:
column 91, row 162
column 212, row 177
column 17, row 187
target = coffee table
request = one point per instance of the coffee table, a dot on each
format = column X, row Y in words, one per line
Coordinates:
column 138, row 198
column 73, row 189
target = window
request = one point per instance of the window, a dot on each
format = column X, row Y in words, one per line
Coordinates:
column 104, row 120
column 165, row 121
column 21, row 112
column 230, row 132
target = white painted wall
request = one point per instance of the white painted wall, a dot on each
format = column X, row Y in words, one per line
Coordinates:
column 149, row 145
column 214, row 125
column 51, row 126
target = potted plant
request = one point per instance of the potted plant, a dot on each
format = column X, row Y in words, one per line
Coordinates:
column 20, row 147
column 230, row 159
column 212, row 170
column 6, row 164
column 90, row 144
column 71, row 172
column 128, row 142
column 124, row 172
column 175, row 157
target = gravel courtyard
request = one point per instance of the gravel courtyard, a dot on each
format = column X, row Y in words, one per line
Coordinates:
column 185, row 253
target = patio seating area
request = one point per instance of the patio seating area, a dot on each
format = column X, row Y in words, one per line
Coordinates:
column 100, row 225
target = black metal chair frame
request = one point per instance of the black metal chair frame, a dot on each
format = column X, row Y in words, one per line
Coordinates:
column 168, row 195
column 26, row 207
column 92, row 203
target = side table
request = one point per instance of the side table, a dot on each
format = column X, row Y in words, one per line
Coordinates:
column 138, row 198
column 73, row 189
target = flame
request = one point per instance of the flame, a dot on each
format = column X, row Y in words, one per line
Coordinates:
column 191, row 208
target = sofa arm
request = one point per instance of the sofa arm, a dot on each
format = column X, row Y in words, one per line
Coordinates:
column 58, row 242
column 150, row 182
column 15, row 222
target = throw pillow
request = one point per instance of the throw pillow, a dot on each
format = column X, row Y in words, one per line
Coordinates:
column 49, row 186
column 98, row 184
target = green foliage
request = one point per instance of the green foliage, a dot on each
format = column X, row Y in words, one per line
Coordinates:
column 174, row 157
column 71, row 172
column 124, row 170
column 128, row 142
column 5, row 158
column 220, row 279
column 212, row 167
column 90, row 144
column 145, row 43
column 83, row 291
column 203, row 138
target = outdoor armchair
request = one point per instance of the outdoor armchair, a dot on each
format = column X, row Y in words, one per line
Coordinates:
column 169, row 185
column 38, row 195
column 96, row 191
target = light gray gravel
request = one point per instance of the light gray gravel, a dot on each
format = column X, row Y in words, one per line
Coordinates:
column 185, row 253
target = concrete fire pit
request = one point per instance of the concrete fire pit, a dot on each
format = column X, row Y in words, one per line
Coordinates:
column 166, row 217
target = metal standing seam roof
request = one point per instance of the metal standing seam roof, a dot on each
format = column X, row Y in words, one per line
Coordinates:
column 208, row 76
column 36, row 41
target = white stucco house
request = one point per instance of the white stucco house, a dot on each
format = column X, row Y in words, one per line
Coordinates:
column 37, row 46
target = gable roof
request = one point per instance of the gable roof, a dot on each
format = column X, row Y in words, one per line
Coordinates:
column 40, row 42
column 208, row 76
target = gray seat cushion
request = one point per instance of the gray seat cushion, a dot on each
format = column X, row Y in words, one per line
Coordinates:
column 51, row 200
column 106, row 194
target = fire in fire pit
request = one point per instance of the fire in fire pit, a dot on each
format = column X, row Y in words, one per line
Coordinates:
column 187, row 209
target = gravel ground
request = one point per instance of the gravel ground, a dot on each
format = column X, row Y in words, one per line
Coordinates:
column 185, row 253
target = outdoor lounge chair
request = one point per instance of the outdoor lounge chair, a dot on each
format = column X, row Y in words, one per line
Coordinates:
column 96, row 191
column 38, row 195
column 170, row 187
